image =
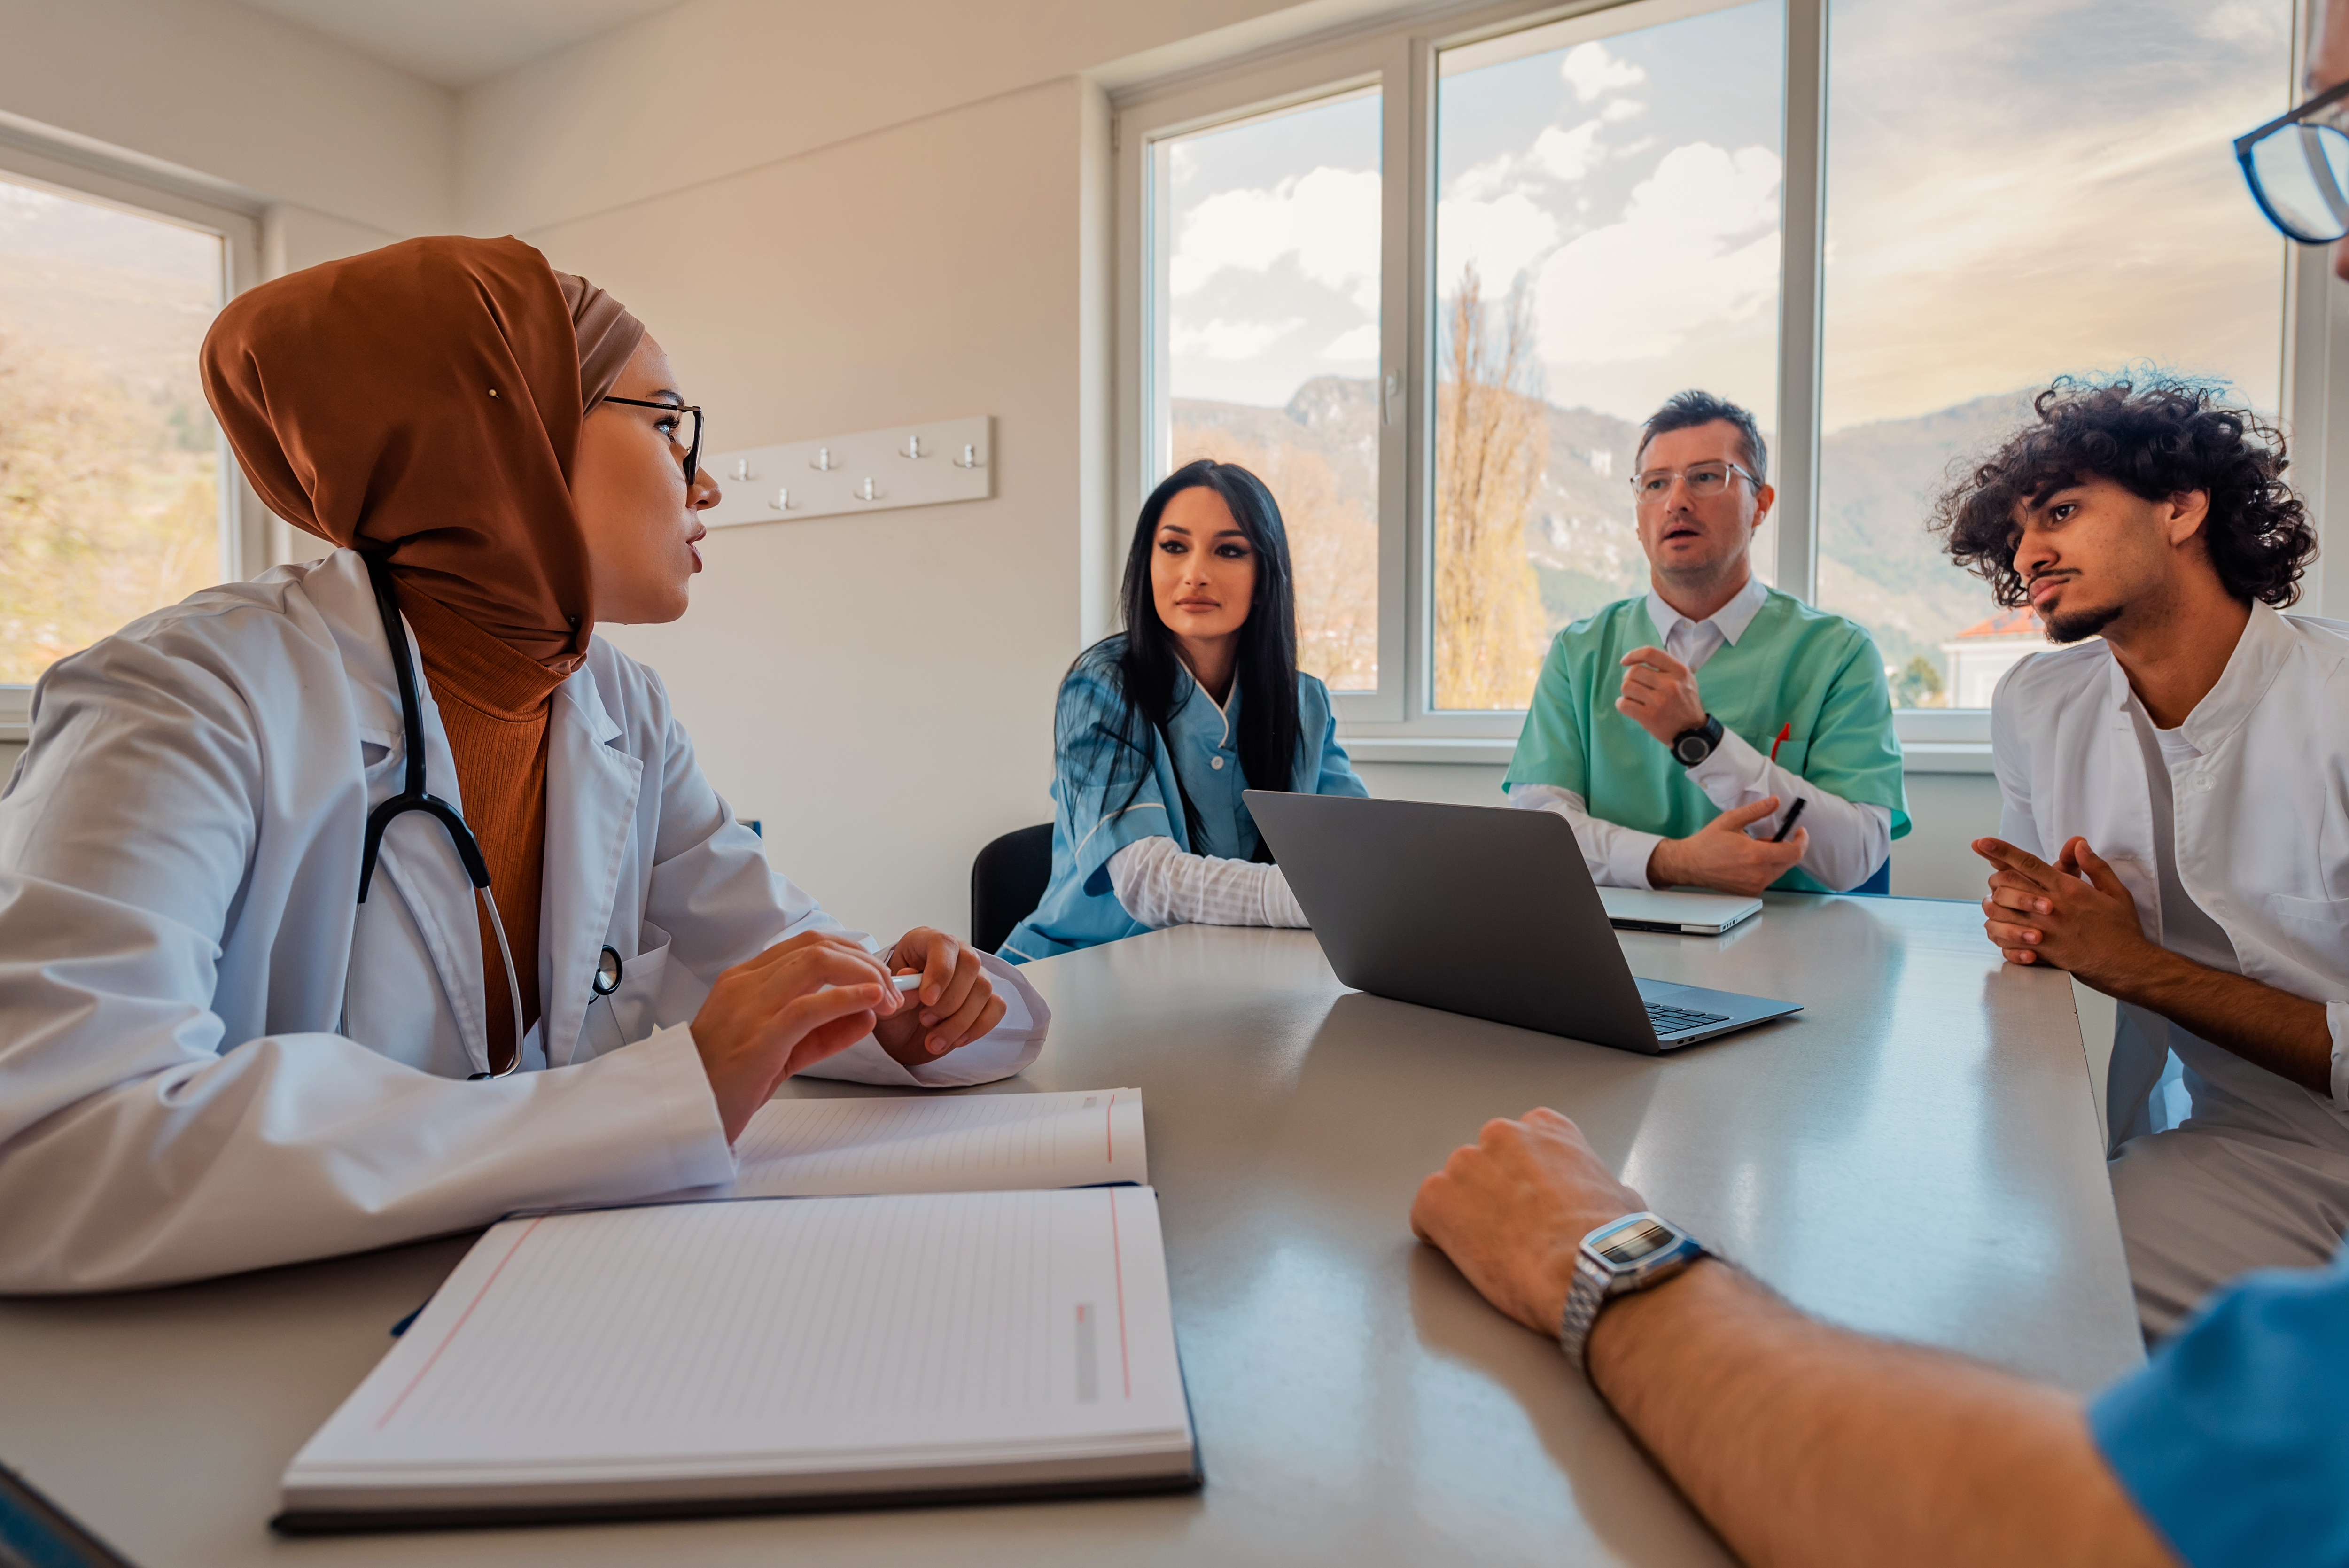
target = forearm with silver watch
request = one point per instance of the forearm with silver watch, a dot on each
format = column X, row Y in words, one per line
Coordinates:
column 1635, row 1252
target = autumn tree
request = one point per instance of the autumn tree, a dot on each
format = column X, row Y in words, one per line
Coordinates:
column 1489, row 450
column 108, row 507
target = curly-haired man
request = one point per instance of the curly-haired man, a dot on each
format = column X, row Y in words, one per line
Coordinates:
column 2176, row 821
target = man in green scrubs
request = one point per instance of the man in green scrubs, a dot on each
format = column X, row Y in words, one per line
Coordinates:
column 1668, row 783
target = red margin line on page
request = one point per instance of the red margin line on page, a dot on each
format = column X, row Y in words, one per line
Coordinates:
column 1109, row 1127
column 394, row 1408
column 1117, row 1261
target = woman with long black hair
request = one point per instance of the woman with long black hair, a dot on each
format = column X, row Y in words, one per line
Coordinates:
column 1162, row 725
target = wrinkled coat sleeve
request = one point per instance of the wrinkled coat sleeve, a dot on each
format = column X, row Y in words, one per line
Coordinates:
column 713, row 892
column 138, row 1143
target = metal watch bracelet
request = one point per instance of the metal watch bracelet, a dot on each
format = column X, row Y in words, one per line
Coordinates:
column 1584, row 1297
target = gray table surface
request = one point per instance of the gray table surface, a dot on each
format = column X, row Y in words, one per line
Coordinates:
column 1916, row 1153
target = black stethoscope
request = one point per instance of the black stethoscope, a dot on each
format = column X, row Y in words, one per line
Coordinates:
column 608, row 967
column 414, row 798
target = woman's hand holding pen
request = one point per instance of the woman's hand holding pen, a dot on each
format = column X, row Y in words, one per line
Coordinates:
column 954, row 1004
column 786, row 1009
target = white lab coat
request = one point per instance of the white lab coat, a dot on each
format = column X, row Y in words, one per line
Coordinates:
column 2262, row 842
column 181, row 932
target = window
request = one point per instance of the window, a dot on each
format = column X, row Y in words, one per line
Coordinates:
column 114, row 496
column 1266, row 287
column 1607, row 235
column 1879, row 224
column 2014, row 192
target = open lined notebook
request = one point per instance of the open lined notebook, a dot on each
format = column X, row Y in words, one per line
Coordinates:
column 979, row 1338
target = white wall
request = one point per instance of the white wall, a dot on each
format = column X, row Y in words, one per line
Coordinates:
column 238, row 98
column 878, row 689
column 564, row 136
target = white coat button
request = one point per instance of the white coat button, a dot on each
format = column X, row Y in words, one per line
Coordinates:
column 1217, row 763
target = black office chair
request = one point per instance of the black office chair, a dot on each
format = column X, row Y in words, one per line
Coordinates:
column 1007, row 881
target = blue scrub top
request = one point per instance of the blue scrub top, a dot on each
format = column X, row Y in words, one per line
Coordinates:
column 1094, row 817
column 2234, row 1441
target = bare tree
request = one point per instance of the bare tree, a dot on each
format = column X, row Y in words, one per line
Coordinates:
column 1489, row 446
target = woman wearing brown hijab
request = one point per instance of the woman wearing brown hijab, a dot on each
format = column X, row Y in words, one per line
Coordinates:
column 213, row 1055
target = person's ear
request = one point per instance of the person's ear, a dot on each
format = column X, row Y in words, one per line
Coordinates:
column 1763, row 497
column 2189, row 511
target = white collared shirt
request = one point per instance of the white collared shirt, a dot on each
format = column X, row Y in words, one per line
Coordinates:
column 2257, row 777
column 1694, row 642
column 1847, row 841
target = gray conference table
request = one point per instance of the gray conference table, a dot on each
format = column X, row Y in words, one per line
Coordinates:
column 1916, row 1153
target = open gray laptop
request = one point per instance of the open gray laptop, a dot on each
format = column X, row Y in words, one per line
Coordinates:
column 1483, row 909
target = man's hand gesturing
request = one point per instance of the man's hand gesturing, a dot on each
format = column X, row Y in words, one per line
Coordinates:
column 1660, row 694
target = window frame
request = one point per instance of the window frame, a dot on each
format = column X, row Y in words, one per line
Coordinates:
column 97, row 175
column 1397, row 723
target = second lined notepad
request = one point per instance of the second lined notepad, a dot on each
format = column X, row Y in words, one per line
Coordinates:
column 771, row 1353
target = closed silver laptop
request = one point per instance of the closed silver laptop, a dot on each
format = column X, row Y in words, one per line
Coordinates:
column 1483, row 909
column 1691, row 914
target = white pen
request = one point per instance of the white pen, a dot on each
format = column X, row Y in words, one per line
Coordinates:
column 907, row 982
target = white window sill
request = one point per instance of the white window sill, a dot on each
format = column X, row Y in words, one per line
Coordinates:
column 1480, row 751
column 1945, row 756
column 1916, row 757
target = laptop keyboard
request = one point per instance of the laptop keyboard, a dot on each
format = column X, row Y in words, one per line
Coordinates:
column 1679, row 1020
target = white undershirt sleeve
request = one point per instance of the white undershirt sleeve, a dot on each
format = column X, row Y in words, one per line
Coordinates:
column 1616, row 855
column 1847, row 841
column 1160, row 886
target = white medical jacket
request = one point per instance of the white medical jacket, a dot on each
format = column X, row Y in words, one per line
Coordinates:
column 213, row 1058
column 2261, row 837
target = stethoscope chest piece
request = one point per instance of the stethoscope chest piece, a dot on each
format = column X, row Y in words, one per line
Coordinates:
column 608, row 971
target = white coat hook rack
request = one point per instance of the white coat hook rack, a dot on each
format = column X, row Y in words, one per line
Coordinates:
column 868, row 471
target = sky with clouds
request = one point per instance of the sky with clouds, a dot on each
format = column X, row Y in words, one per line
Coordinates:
column 1272, row 272
column 2015, row 187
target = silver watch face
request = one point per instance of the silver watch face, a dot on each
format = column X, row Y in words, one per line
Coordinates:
column 1691, row 750
column 1641, row 1237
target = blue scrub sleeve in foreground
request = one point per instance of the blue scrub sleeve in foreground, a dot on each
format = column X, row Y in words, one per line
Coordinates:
column 2234, row 1441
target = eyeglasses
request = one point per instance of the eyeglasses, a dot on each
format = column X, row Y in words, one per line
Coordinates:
column 693, row 447
column 1704, row 480
column 2299, row 171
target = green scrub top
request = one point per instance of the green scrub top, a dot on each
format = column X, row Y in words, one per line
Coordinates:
column 1793, row 666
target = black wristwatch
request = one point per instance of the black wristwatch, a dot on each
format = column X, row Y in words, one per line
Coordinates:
column 1693, row 746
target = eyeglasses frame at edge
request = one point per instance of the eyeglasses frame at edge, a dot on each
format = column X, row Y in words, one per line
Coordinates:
column 2250, row 139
